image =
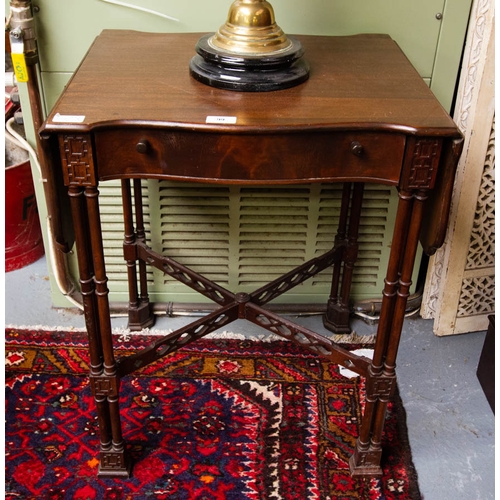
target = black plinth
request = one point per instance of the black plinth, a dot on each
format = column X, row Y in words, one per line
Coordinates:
column 249, row 73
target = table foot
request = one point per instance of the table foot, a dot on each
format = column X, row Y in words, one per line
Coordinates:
column 365, row 461
column 114, row 463
column 140, row 317
column 336, row 318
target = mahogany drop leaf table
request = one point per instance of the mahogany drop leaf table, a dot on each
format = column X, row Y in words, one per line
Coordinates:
column 132, row 112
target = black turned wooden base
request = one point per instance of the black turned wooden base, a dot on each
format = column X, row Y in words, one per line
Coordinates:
column 249, row 73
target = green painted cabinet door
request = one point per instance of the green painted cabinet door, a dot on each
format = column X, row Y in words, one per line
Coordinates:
column 244, row 236
column 430, row 32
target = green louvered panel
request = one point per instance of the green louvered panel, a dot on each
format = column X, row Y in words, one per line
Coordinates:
column 377, row 217
column 271, row 234
column 243, row 237
column 195, row 230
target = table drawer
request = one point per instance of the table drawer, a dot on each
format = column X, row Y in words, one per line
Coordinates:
column 252, row 158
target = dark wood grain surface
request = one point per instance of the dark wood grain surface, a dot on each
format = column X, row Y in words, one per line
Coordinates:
column 356, row 82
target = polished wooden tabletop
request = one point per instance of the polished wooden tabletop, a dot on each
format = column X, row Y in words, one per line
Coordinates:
column 356, row 82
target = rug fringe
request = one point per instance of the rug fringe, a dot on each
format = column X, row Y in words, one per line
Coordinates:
column 46, row 328
column 125, row 334
column 354, row 338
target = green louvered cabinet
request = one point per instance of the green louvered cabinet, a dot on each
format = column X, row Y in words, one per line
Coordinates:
column 244, row 236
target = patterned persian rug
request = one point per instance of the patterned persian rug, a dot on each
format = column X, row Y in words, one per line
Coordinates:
column 219, row 419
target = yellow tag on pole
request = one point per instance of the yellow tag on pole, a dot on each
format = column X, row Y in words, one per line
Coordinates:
column 20, row 68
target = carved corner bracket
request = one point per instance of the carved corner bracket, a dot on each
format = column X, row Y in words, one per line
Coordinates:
column 421, row 163
column 77, row 160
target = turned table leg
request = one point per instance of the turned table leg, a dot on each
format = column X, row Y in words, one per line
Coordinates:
column 336, row 318
column 381, row 378
column 139, row 310
column 114, row 461
column 103, row 375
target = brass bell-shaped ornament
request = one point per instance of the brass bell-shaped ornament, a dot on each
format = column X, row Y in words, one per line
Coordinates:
column 250, row 52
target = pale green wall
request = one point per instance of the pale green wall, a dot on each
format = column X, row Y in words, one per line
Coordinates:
column 66, row 28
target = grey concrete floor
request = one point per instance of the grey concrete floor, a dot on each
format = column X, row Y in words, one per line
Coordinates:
column 450, row 424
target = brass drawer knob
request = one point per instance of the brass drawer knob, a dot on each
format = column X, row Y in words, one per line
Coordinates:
column 357, row 148
column 142, row 147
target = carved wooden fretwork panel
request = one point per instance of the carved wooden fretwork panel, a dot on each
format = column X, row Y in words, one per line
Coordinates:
column 482, row 244
column 477, row 296
column 459, row 291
